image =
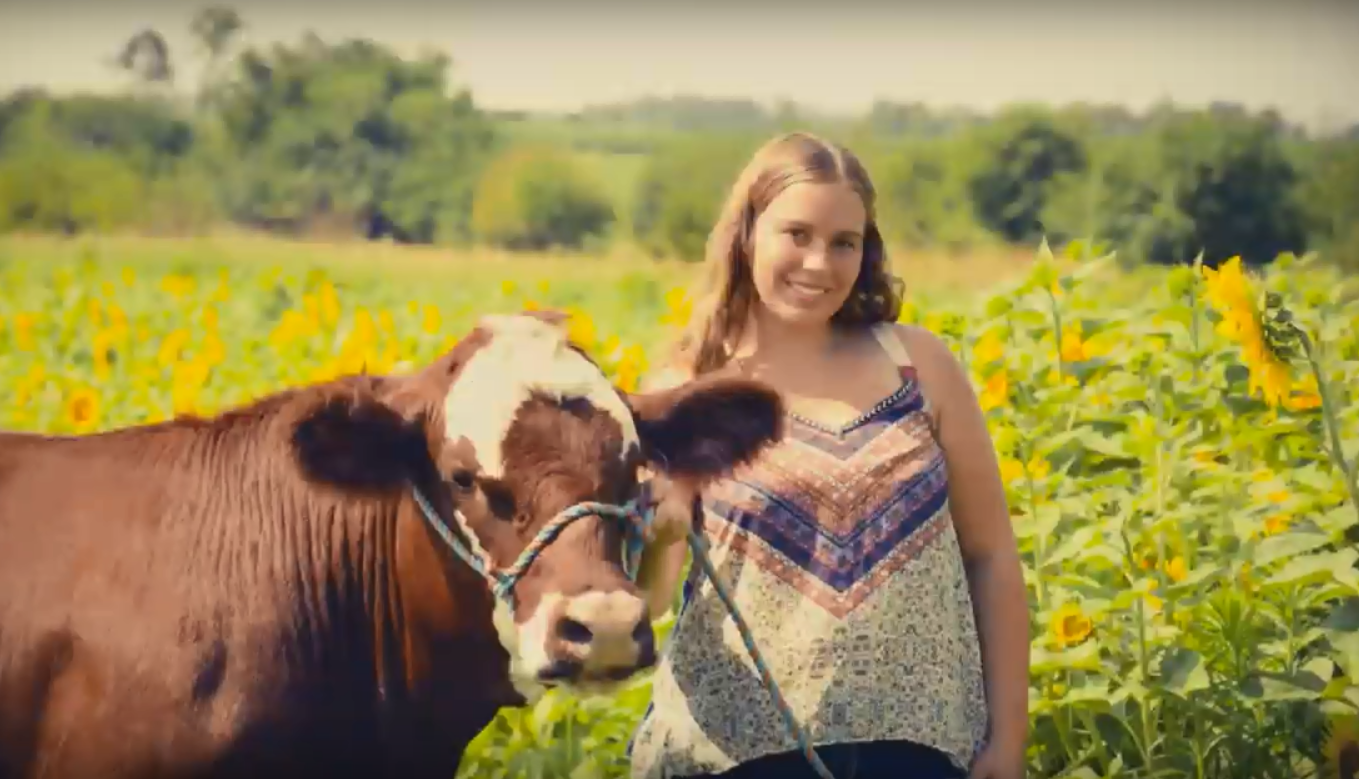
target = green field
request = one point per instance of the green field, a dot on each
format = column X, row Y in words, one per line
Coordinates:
column 1191, row 581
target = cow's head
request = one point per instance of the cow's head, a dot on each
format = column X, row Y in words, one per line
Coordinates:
column 507, row 430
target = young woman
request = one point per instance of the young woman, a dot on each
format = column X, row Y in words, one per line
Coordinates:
column 870, row 551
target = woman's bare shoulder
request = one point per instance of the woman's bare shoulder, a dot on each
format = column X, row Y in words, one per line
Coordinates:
column 941, row 372
column 926, row 348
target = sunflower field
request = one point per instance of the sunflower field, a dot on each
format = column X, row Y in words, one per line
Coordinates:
column 1179, row 448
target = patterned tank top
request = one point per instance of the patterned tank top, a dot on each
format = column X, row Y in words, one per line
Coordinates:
column 841, row 553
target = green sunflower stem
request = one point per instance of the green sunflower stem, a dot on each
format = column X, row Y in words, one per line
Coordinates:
column 1192, row 294
column 1057, row 332
column 1332, row 423
column 1039, row 553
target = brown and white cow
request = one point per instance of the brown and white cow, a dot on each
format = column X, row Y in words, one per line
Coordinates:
column 259, row 594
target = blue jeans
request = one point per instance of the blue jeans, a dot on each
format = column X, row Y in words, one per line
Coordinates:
column 863, row 760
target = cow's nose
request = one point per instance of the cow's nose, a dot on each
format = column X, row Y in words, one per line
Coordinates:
column 607, row 633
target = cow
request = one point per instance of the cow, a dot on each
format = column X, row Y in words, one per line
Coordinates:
column 273, row 590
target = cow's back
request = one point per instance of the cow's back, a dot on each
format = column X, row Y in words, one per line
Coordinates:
column 135, row 621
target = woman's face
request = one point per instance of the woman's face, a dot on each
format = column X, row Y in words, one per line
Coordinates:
column 808, row 247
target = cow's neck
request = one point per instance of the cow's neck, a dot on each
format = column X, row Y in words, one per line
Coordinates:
column 456, row 637
column 374, row 602
column 397, row 629
column 341, row 591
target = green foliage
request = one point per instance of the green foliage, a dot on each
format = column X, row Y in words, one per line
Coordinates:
column 1024, row 153
column 68, row 191
column 535, row 198
column 681, row 191
column 923, row 196
column 1111, row 201
column 89, row 163
column 49, row 183
column 1233, row 184
column 1331, row 195
column 351, row 134
column 148, row 134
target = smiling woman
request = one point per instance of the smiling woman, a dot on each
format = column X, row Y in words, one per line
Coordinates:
column 870, row 549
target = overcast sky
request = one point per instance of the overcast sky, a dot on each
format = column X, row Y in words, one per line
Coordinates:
column 1300, row 56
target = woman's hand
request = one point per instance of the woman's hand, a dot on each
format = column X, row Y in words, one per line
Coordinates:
column 672, row 506
column 673, row 515
column 999, row 760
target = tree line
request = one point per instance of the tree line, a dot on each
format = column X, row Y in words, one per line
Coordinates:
column 348, row 139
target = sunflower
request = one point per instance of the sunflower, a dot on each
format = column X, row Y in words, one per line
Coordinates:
column 1229, row 291
column 988, row 349
column 580, row 329
column 430, row 321
column 678, row 307
column 1011, row 470
column 996, row 390
column 1069, row 626
column 82, row 408
column 1306, row 395
column 1176, row 570
column 1340, row 752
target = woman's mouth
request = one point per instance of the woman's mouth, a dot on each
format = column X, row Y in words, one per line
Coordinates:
column 805, row 289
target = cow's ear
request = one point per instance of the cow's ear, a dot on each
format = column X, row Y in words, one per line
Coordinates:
column 355, row 441
column 704, row 428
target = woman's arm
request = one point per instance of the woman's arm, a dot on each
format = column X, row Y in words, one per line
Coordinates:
column 663, row 557
column 982, row 518
column 659, row 572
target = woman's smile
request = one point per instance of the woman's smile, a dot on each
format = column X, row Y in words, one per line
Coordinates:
column 806, row 291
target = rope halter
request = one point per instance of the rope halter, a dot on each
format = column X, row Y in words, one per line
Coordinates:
column 634, row 518
column 636, row 521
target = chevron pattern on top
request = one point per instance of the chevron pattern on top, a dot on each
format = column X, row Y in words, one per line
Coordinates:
column 833, row 513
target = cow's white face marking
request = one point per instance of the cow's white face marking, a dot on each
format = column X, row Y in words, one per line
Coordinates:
column 502, row 617
column 522, row 676
column 524, row 355
column 533, row 636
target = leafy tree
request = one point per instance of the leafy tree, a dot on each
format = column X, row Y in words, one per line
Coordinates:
column 148, row 133
column 1231, row 179
column 1113, row 201
column 351, row 134
column 537, row 197
column 1331, row 201
column 48, row 183
column 214, row 27
column 1024, row 154
column 923, row 196
column 681, row 190
column 146, row 56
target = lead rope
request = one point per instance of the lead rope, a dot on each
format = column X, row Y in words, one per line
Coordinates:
column 698, row 547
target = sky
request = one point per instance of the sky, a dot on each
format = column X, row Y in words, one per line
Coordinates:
column 1300, row 56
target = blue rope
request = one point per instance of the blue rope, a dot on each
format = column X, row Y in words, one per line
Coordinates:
column 698, row 546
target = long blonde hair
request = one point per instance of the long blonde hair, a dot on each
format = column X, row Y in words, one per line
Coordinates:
column 727, row 292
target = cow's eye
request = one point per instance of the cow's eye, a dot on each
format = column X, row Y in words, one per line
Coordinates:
column 464, row 479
